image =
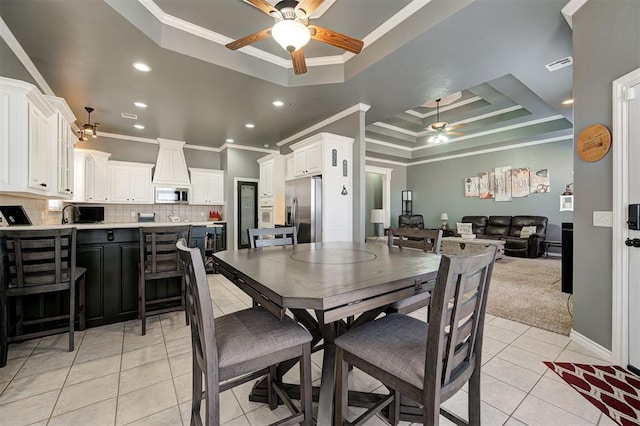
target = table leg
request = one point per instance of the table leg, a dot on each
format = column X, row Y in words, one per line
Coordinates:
column 327, row 385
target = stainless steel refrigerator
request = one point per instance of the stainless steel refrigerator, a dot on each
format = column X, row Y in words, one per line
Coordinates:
column 303, row 198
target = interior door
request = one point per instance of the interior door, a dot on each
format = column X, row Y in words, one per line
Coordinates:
column 634, row 252
column 247, row 215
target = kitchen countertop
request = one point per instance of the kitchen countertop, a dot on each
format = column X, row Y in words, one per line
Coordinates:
column 113, row 225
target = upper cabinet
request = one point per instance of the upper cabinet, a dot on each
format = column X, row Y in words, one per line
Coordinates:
column 130, row 182
column 331, row 156
column 271, row 185
column 207, row 187
column 307, row 160
column 36, row 142
column 25, row 148
column 65, row 138
column 91, row 176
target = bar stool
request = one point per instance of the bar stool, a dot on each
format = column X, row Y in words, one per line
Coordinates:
column 39, row 262
column 159, row 255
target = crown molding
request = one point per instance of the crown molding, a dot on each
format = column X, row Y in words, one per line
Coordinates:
column 325, row 122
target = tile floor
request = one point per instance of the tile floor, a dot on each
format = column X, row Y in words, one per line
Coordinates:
column 117, row 377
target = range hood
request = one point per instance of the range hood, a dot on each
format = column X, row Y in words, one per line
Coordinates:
column 171, row 167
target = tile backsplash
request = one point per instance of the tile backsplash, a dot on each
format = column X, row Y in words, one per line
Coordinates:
column 115, row 213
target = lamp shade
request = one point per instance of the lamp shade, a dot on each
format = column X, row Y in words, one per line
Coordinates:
column 444, row 216
column 377, row 216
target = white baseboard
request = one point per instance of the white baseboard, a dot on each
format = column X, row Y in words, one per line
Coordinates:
column 594, row 347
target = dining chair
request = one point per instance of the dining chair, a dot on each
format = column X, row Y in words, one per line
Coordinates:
column 274, row 236
column 424, row 239
column 159, row 260
column 425, row 362
column 39, row 263
column 238, row 347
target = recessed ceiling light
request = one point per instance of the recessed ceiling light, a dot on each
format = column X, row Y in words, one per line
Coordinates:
column 567, row 102
column 138, row 126
column 229, row 141
column 142, row 67
column 266, row 145
column 249, row 125
column 140, row 104
column 278, row 103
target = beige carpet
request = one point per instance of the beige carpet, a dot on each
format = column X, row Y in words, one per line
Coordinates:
column 528, row 291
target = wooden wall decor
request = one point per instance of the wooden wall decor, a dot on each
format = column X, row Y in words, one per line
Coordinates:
column 593, row 143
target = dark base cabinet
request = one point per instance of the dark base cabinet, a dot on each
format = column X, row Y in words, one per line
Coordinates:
column 111, row 257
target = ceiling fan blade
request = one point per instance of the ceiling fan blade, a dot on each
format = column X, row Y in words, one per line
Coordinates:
column 308, row 7
column 299, row 64
column 336, row 39
column 456, row 126
column 454, row 133
column 251, row 38
column 265, row 7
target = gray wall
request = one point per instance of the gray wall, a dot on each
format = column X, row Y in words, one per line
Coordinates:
column 373, row 199
column 140, row 152
column 351, row 126
column 238, row 163
column 606, row 46
column 11, row 67
column 438, row 186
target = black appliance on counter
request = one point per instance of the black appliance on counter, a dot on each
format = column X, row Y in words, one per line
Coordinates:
column 15, row 215
column 89, row 215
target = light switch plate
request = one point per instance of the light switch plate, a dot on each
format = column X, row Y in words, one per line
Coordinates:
column 603, row 219
column 133, row 214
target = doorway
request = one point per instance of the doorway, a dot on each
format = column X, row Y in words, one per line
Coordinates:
column 626, row 191
column 378, row 196
column 247, row 211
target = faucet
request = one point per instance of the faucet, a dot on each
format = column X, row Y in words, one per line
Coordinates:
column 64, row 219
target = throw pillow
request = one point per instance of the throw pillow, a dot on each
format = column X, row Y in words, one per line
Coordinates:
column 526, row 231
column 464, row 228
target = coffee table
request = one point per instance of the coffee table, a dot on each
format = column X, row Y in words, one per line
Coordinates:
column 459, row 245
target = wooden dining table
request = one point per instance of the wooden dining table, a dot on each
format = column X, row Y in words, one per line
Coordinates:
column 344, row 283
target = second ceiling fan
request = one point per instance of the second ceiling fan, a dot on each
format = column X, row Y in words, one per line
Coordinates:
column 292, row 30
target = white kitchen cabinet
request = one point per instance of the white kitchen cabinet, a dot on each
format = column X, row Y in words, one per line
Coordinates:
column 207, row 187
column 331, row 156
column 130, row 182
column 290, row 173
column 36, row 142
column 62, row 140
column 91, row 176
column 271, row 186
column 39, row 151
column 307, row 160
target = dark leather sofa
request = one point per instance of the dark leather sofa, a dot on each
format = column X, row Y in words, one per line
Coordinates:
column 415, row 221
column 507, row 228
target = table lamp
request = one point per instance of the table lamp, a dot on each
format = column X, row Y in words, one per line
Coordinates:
column 444, row 218
column 377, row 218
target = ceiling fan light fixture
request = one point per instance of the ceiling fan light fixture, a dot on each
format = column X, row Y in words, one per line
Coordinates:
column 439, row 138
column 290, row 34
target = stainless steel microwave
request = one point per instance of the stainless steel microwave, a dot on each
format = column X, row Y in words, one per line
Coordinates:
column 171, row 195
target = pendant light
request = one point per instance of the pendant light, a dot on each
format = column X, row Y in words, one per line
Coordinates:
column 88, row 129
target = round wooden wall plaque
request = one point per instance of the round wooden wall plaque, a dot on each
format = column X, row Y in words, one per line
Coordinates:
column 594, row 142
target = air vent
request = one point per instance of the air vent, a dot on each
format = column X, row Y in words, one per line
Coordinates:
column 560, row 63
column 129, row 115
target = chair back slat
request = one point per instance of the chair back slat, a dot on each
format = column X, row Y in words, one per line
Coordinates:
column 158, row 252
column 458, row 304
column 200, row 309
column 274, row 236
column 422, row 239
column 35, row 258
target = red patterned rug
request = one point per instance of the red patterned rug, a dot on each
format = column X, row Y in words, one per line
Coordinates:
column 614, row 390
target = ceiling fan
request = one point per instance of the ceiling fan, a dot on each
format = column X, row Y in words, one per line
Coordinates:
column 442, row 129
column 292, row 30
